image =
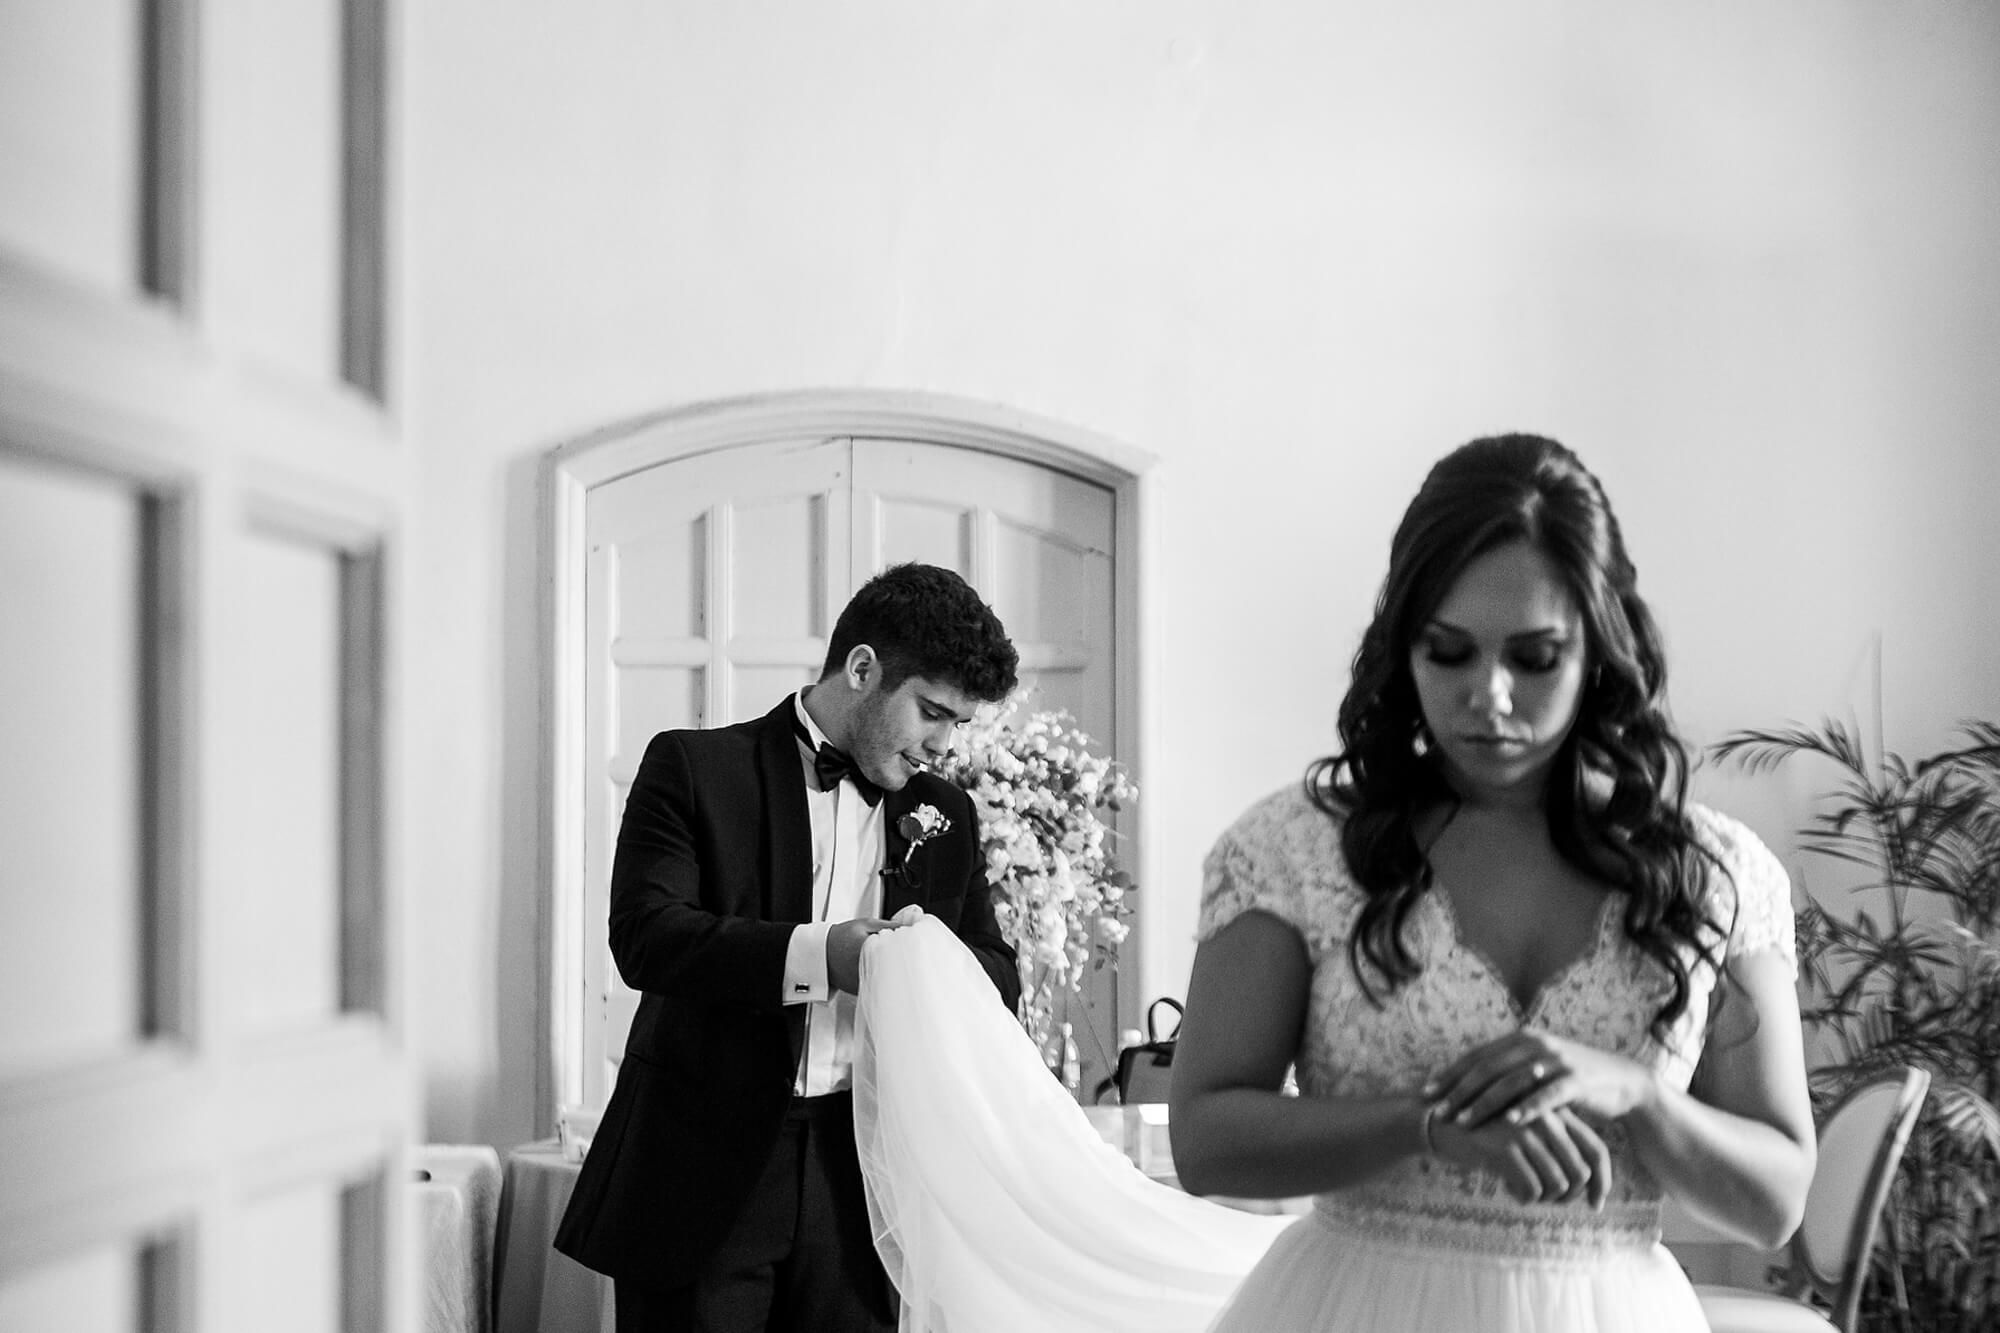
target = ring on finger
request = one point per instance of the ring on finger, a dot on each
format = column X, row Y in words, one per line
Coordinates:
column 1538, row 1071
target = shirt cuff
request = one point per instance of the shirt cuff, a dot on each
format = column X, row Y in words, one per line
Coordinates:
column 805, row 964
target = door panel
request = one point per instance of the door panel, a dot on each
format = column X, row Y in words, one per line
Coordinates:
column 272, row 178
column 907, row 527
column 73, row 778
column 285, row 915
column 95, row 1291
column 69, row 91
column 290, row 1243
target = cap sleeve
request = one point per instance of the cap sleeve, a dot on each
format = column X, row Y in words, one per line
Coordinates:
column 1753, row 901
column 1235, row 880
column 1282, row 857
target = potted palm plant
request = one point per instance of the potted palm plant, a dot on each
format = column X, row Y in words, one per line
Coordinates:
column 1912, row 978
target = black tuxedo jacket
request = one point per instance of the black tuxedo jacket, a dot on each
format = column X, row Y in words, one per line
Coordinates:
column 713, row 869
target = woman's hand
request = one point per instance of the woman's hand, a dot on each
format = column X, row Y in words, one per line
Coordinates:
column 1554, row 1158
column 1530, row 1073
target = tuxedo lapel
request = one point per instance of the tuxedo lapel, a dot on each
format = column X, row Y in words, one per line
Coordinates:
column 789, row 827
column 896, row 891
column 897, row 887
column 911, row 877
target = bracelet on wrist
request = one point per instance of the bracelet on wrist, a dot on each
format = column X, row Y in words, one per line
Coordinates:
column 1429, row 1127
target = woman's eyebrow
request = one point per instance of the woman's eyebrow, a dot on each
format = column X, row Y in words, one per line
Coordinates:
column 1559, row 633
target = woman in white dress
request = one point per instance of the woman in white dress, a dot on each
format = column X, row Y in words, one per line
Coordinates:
column 1528, row 988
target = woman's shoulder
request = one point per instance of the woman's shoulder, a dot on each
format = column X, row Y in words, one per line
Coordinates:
column 1282, row 855
column 1731, row 841
column 1285, row 824
column 1751, row 899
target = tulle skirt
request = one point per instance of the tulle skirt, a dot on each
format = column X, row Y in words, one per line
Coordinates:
column 996, row 1206
column 1326, row 1275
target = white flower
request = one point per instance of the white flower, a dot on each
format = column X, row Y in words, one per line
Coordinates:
column 1059, row 897
column 922, row 824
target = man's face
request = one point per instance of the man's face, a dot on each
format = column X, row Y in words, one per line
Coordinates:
column 896, row 732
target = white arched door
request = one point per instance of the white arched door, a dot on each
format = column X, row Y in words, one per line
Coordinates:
column 711, row 584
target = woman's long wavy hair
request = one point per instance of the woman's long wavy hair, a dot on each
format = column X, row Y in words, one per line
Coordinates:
column 1618, row 787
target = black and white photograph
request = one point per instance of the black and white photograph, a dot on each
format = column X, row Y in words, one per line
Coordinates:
column 999, row 666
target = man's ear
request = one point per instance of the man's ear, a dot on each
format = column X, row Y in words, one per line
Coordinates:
column 861, row 667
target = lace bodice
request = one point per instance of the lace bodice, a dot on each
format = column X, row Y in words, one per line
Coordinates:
column 1283, row 856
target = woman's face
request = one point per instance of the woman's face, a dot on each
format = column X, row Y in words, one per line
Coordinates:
column 1499, row 673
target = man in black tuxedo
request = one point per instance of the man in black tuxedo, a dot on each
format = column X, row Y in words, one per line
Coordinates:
column 721, row 1191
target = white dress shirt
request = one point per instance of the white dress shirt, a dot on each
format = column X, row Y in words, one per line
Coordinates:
column 847, row 851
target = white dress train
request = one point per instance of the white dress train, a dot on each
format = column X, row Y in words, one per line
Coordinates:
column 997, row 1208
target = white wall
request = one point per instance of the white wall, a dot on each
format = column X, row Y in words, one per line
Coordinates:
column 1741, row 257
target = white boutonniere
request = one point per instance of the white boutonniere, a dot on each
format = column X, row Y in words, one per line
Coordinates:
column 918, row 827
column 922, row 824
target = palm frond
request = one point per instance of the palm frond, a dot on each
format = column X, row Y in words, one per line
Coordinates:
column 1758, row 751
column 1968, row 1117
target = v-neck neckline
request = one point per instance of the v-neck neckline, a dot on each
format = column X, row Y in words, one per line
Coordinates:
column 1523, row 1012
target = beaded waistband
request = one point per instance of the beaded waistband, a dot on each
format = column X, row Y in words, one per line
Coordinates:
column 1499, row 1228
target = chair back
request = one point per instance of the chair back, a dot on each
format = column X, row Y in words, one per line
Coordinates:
column 1860, row 1146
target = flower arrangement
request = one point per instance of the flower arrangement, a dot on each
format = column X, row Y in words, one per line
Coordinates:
column 1062, row 901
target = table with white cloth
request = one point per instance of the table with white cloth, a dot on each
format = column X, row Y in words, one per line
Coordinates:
column 456, row 1194
column 537, row 1290
column 1140, row 1132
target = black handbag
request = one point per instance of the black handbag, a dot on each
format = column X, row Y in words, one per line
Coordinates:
column 1145, row 1071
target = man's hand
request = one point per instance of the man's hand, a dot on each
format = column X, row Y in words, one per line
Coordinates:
column 843, row 951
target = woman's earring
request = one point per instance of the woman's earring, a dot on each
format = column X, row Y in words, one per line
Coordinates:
column 1421, row 743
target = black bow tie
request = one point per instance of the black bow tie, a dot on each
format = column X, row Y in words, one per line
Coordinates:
column 831, row 765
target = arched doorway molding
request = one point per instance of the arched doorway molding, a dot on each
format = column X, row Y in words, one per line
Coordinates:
column 573, row 469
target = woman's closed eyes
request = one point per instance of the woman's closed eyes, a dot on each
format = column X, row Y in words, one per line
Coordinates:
column 1538, row 659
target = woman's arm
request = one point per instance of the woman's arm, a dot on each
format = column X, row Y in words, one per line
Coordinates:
column 1234, row 1132
column 1740, row 1153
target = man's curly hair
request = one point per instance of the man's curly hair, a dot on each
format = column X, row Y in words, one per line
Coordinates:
column 923, row 620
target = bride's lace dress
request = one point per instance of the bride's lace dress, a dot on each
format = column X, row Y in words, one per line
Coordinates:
column 1424, row 1245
